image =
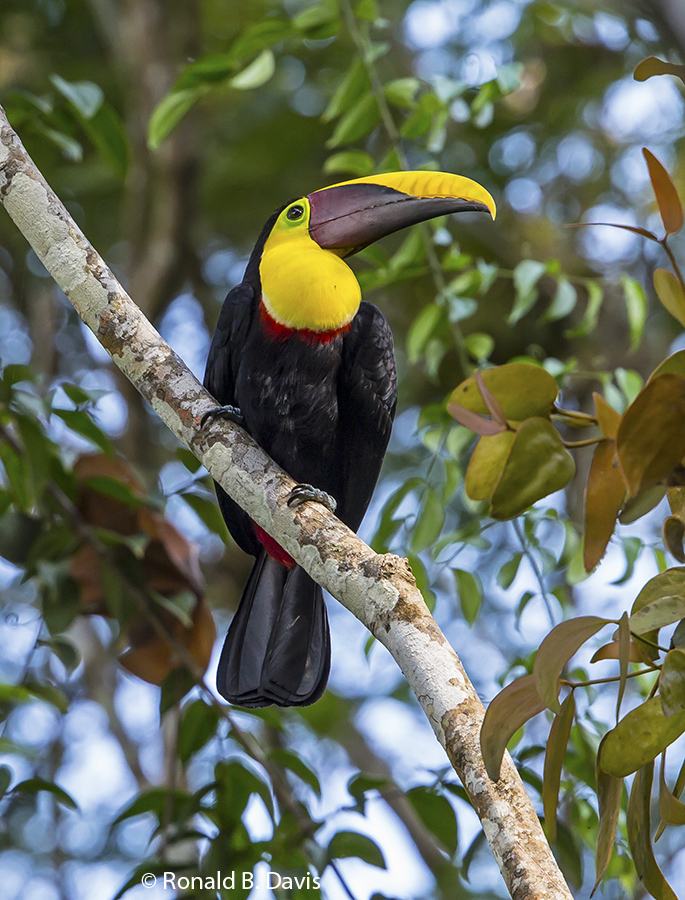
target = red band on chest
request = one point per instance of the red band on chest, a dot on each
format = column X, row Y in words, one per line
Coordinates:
column 282, row 332
column 273, row 548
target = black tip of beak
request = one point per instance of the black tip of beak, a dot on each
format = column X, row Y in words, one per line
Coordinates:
column 352, row 216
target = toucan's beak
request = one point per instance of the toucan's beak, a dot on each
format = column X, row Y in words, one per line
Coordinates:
column 349, row 216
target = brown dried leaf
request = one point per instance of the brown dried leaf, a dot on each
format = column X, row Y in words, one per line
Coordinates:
column 611, row 650
column 652, row 65
column 651, row 439
column 604, row 497
column 634, row 228
column 507, row 712
column 477, row 423
column 667, row 197
column 554, row 759
column 490, row 400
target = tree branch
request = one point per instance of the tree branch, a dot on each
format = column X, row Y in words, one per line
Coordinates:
column 379, row 590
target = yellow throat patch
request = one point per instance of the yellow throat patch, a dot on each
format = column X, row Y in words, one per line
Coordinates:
column 303, row 285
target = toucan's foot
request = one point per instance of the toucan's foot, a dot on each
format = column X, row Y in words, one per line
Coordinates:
column 232, row 413
column 303, row 492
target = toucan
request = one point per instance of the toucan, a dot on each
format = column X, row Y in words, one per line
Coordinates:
column 308, row 369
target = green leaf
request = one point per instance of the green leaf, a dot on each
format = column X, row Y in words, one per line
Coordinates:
column 175, row 686
column 554, row 759
column 526, row 276
column 256, row 74
column 198, row 725
column 509, row 570
column 640, row 839
column 436, row 813
column 85, row 96
column 352, row 162
column 479, row 346
column 636, row 307
column 347, row 844
column 71, row 148
column 353, row 85
column 106, row 132
column 6, row 775
column 563, row 641
column 315, row 16
column 639, row 737
column 507, row 712
column 402, row 92
column 470, row 593
column 169, row 112
column 259, row 36
column 429, row 522
column 421, row 331
column 79, row 420
column 208, row 512
column 356, row 123
column 594, row 304
column 563, row 303
column 609, row 793
column 34, row 785
column 297, row 766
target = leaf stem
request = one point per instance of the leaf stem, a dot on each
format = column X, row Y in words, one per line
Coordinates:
column 576, row 684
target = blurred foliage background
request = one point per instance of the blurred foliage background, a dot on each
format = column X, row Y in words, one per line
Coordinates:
column 171, row 131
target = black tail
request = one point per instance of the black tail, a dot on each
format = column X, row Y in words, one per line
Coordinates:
column 277, row 649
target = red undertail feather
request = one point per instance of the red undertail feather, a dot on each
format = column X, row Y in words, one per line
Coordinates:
column 273, row 548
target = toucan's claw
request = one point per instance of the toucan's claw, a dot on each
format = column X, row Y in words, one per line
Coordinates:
column 232, row 413
column 303, row 492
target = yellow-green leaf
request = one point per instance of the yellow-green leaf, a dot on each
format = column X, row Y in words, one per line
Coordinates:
column 639, row 737
column 538, row 464
column 521, row 389
column 672, row 683
column 563, row 641
column 603, row 500
column 554, row 758
column 607, row 417
column 486, row 464
column 674, row 532
column 651, row 439
column 640, row 838
column 507, row 712
column 670, row 291
column 660, row 612
column 667, row 198
column 671, row 809
column 674, row 363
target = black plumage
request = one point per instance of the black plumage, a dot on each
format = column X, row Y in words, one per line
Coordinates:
column 322, row 407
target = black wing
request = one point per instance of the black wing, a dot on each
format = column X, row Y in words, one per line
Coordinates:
column 229, row 338
column 367, row 398
column 220, row 378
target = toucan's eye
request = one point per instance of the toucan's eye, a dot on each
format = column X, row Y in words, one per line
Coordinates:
column 295, row 212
